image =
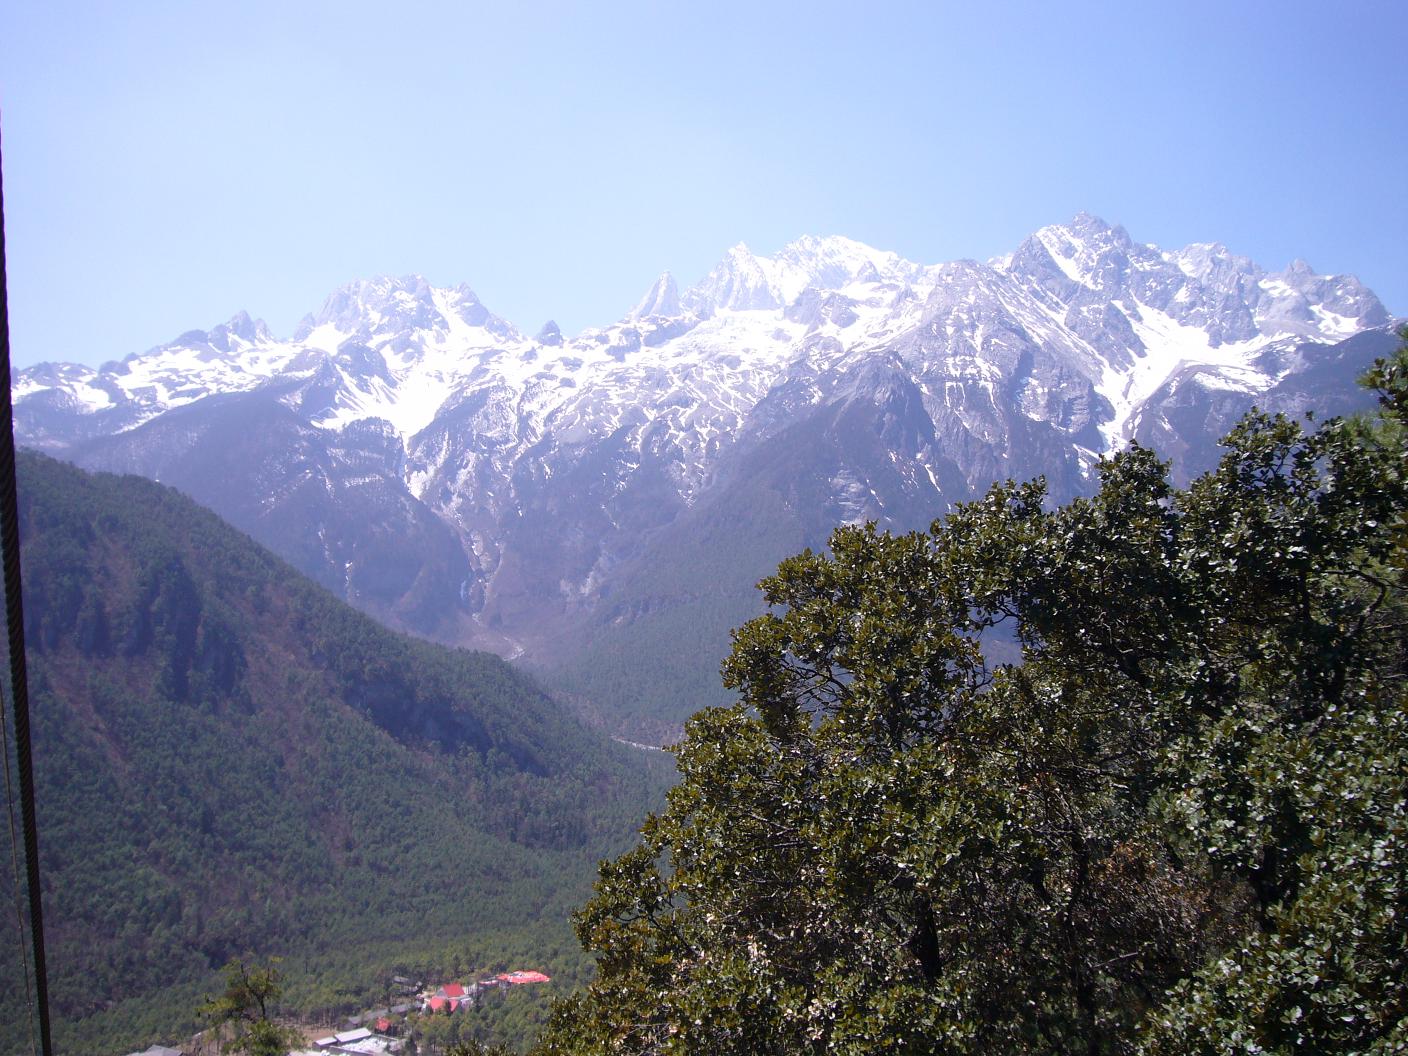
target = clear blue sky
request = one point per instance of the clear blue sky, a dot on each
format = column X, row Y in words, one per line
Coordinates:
column 167, row 164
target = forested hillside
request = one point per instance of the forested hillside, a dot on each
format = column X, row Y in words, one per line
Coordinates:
column 231, row 760
column 1179, row 826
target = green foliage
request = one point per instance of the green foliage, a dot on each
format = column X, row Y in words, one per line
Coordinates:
column 1178, row 826
column 475, row 1048
column 246, row 1007
column 230, row 760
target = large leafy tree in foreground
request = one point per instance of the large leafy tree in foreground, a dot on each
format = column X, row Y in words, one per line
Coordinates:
column 1178, row 826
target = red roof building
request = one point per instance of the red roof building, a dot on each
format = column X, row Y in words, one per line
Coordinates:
column 452, row 990
column 519, row 978
column 438, row 1004
column 383, row 1025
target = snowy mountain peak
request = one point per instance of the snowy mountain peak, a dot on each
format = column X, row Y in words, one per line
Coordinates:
column 367, row 303
column 385, row 308
column 1203, row 286
column 236, row 335
column 1211, row 262
column 242, row 326
column 1088, row 236
column 1086, row 251
column 834, row 262
column 1083, row 324
column 1090, row 228
column 743, row 281
column 739, row 282
column 1299, row 301
column 663, row 298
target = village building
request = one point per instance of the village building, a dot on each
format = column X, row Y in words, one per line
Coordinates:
column 360, row 1042
column 372, row 1046
column 519, row 978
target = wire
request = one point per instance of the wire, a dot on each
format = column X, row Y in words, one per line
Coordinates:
column 14, row 621
column 15, row 868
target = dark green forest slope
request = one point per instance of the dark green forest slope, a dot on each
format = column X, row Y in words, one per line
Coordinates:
column 230, row 760
column 1179, row 826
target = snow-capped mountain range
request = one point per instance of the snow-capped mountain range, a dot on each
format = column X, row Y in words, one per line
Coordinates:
column 538, row 468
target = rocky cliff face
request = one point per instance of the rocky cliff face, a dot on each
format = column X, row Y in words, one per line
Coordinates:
column 422, row 456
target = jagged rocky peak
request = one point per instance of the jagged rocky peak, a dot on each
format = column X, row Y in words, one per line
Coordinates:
column 1213, row 263
column 743, row 281
column 1344, row 295
column 394, row 305
column 57, row 374
column 465, row 303
column 1094, row 230
column 351, row 303
column 1299, row 301
column 220, row 340
column 739, row 282
column 1074, row 303
column 243, row 328
column 833, row 262
column 365, row 303
column 549, row 335
column 1085, row 252
column 663, row 298
column 868, row 273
